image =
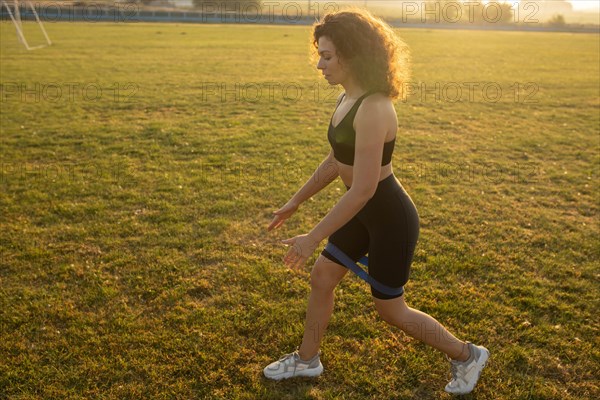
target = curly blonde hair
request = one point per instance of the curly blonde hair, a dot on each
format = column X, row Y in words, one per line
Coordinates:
column 377, row 58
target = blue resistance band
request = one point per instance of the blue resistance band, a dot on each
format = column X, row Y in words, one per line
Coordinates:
column 362, row 274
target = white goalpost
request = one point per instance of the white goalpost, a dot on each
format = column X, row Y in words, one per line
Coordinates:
column 16, row 19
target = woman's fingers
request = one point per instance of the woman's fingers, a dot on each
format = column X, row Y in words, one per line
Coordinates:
column 280, row 216
column 297, row 262
column 275, row 223
column 291, row 253
column 294, row 258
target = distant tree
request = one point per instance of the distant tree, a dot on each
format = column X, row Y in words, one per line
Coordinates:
column 504, row 12
column 557, row 20
column 492, row 12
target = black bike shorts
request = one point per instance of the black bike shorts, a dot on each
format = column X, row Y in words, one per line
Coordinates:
column 387, row 228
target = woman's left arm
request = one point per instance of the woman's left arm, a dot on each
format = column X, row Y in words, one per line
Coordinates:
column 370, row 138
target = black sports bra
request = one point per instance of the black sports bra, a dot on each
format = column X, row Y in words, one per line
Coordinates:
column 342, row 137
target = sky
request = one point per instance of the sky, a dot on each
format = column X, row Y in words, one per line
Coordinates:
column 585, row 5
column 578, row 5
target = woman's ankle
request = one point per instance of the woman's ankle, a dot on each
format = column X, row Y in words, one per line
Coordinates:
column 465, row 353
column 307, row 356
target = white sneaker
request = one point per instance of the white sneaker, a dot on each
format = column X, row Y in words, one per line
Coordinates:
column 290, row 365
column 466, row 373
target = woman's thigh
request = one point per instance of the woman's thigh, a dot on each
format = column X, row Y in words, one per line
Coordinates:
column 352, row 239
column 326, row 274
column 392, row 221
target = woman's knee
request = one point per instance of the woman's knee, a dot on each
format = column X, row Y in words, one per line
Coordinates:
column 393, row 311
column 326, row 274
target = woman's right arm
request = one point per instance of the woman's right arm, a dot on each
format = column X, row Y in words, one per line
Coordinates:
column 326, row 173
column 323, row 176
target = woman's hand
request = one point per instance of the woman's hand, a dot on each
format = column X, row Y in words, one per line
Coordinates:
column 303, row 246
column 282, row 214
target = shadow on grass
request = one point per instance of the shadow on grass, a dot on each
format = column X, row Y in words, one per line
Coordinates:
column 294, row 388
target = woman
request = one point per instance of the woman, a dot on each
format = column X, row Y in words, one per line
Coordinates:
column 375, row 215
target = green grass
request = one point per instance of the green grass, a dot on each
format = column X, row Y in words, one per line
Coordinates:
column 135, row 260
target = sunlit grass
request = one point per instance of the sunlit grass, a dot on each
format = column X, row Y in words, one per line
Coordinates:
column 135, row 261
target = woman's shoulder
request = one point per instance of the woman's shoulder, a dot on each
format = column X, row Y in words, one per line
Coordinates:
column 377, row 105
column 377, row 96
column 377, row 99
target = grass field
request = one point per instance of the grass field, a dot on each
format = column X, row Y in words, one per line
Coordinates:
column 135, row 261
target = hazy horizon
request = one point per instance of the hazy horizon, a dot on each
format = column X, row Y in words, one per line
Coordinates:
column 578, row 5
column 574, row 11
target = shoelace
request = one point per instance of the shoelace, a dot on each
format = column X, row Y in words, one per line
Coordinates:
column 296, row 357
column 283, row 360
column 286, row 356
column 454, row 370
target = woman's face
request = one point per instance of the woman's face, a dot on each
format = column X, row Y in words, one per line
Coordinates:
column 329, row 63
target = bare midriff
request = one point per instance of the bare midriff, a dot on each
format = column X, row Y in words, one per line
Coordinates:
column 346, row 175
